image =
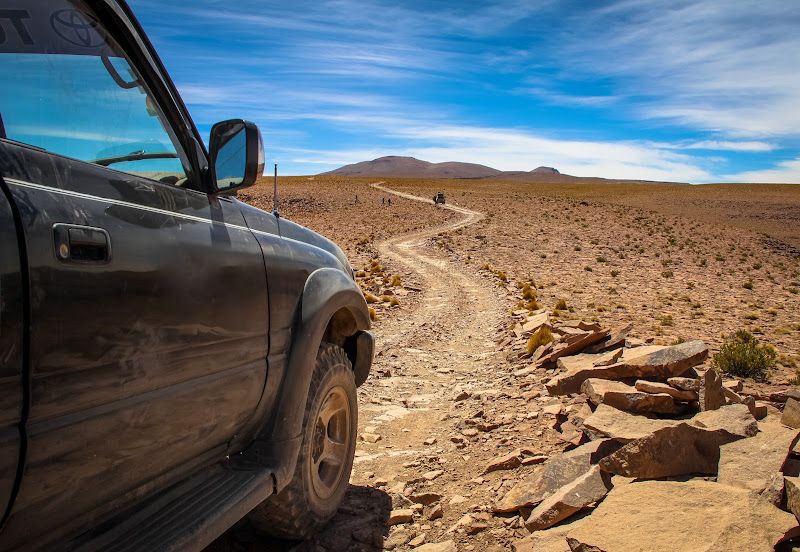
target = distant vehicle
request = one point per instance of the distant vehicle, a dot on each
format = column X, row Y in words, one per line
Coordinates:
column 438, row 198
column 172, row 358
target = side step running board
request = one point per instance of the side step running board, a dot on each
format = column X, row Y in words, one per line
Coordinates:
column 186, row 517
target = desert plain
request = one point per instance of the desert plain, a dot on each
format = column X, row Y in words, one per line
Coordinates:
column 452, row 390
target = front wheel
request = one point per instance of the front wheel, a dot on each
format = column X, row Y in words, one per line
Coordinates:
column 323, row 468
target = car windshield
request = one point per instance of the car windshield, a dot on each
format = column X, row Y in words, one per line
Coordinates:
column 74, row 93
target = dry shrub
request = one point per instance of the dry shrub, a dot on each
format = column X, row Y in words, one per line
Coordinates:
column 372, row 314
column 561, row 305
column 742, row 355
column 396, row 281
column 543, row 336
column 369, row 298
column 395, row 302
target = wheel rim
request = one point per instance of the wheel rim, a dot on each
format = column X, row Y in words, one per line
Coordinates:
column 330, row 443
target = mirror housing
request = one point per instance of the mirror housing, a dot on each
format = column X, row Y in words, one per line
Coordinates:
column 237, row 155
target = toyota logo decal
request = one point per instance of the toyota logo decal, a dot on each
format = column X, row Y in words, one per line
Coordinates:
column 73, row 27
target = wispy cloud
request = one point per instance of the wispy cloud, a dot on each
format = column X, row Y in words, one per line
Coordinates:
column 785, row 172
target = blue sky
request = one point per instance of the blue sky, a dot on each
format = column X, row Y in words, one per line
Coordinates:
column 703, row 91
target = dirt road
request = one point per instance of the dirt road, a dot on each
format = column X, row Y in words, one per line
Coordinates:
column 439, row 404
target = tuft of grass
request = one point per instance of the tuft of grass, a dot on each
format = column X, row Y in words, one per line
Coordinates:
column 667, row 274
column 543, row 336
column 742, row 355
column 587, row 268
column 396, row 281
column 527, row 293
column 666, row 320
column 561, row 305
column 395, row 302
column 372, row 314
column 748, row 285
column 369, row 298
column 615, row 273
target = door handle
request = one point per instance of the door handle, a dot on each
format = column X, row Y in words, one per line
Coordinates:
column 81, row 244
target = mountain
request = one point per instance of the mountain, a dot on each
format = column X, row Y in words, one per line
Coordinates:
column 409, row 167
column 394, row 166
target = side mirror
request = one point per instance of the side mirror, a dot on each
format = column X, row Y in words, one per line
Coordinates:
column 237, row 155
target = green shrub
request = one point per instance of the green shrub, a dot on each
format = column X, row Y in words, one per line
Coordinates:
column 743, row 356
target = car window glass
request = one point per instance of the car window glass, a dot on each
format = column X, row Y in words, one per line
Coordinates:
column 75, row 93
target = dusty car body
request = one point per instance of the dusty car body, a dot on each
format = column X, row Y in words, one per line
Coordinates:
column 166, row 349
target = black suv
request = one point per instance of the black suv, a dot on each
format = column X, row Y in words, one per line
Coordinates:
column 171, row 359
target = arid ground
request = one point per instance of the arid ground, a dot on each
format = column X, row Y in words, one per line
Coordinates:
column 679, row 262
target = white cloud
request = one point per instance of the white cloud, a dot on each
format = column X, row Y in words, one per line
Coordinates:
column 785, row 172
column 728, row 146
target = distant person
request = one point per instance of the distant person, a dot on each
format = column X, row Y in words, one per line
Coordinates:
column 356, row 201
column 390, row 201
column 383, row 201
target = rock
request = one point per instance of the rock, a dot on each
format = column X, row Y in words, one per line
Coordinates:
column 476, row 527
column 686, row 448
column 751, row 463
column 735, row 419
column 792, row 488
column 696, row 515
column 687, row 384
column 400, row 516
column 623, row 426
column 436, row 512
column 773, row 492
column 711, row 394
column 613, row 341
column 733, row 385
column 470, row 432
column 533, row 323
column 426, row 499
column 446, row 546
column 549, row 540
column 656, row 387
column 370, row 437
column 397, row 539
column 625, row 397
column 429, row 441
column 573, row 345
column 558, row 471
column 572, row 497
column 731, row 397
column 553, row 409
column 431, row 475
column 650, row 362
column 609, row 358
column 791, row 413
column 416, row 541
column 507, row 462
column 462, row 396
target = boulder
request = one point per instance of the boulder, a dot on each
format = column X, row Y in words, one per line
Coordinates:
column 792, row 487
column 696, row 515
column 558, row 471
column 791, row 413
column 690, row 447
column 646, row 362
column 572, row 497
column 734, row 418
column 614, row 341
column 712, row 395
column 656, row 387
column 687, row 384
column 625, row 397
column 751, row 463
column 773, row 493
column 623, row 426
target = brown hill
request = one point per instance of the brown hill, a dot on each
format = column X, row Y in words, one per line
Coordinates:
column 408, row 167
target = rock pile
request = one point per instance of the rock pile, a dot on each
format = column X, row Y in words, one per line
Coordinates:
column 668, row 456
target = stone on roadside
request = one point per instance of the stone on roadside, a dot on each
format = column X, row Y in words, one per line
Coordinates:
column 791, row 413
column 370, row 437
column 397, row 517
column 657, row 387
column 445, row 546
column 651, row 362
column 686, row 384
column 623, row 426
column 690, row 447
column 573, row 344
column 695, row 515
column 556, row 472
column 572, row 497
column 751, row 463
column 625, row 397
column 711, row 394
column 792, row 488
column 506, row 462
column 425, row 498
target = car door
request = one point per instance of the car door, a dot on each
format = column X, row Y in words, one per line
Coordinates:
column 148, row 304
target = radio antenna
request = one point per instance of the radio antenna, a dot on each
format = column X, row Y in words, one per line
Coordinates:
column 275, row 193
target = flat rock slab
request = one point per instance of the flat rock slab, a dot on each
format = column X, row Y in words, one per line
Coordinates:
column 690, row 447
column 651, row 362
column 623, row 426
column 558, row 471
column 625, row 397
column 696, row 515
column 793, row 495
column 791, row 413
column 712, row 394
column 549, row 540
column 687, row 384
column 751, row 463
column 572, row 497
column 657, row 387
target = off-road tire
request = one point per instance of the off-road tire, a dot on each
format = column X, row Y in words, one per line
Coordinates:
column 322, row 474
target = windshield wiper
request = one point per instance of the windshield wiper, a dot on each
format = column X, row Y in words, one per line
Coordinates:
column 134, row 156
